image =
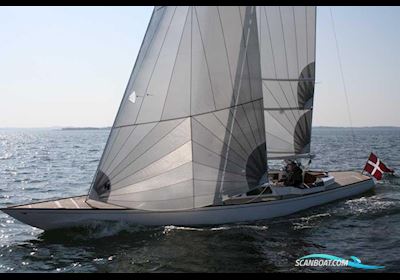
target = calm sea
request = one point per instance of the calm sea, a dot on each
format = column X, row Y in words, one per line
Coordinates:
column 37, row 164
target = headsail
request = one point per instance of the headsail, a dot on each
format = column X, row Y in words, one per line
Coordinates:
column 287, row 50
column 195, row 130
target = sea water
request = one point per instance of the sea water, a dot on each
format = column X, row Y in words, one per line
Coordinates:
column 38, row 164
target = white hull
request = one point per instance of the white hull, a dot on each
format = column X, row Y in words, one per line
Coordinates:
column 61, row 218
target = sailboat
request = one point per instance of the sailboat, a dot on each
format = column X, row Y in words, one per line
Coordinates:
column 215, row 94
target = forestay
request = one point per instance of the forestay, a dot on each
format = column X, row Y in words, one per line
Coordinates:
column 190, row 128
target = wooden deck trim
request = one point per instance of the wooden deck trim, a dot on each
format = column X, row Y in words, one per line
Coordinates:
column 28, row 206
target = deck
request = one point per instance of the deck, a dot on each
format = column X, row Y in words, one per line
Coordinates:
column 345, row 178
column 342, row 178
column 76, row 202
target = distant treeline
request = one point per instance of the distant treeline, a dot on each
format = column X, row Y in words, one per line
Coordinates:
column 360, row 127
column 314, row 127
column 85, row 128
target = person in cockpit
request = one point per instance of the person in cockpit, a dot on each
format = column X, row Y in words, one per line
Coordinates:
column 294, row 175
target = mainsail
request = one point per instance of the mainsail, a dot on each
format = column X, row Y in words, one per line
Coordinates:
column 195, row 130
column 287, row 51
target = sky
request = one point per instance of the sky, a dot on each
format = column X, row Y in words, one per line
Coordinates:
column 69, row 66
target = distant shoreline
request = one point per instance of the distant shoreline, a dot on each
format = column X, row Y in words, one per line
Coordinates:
column 85, row 128
column 58, row 128
column 357, row 127
column 108, row 127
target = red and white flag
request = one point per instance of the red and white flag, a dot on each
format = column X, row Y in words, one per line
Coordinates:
column 376, row 167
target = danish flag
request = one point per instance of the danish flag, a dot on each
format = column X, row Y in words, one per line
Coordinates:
column 375, row 167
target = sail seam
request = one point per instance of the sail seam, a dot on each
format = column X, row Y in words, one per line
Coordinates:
column 204, row 147
column 305, row 9
column 226, row 181
column 122, row 146
column 251, row 127
column 276, row 100
column 273, row 135
column 205, row 57
column 155, row 161
column 185, row 117
column 295, row 38
column 158, row 175
column 155, row 189
column 155, row 64
column 190, row 105
column 133, row 148
column 240, row 128
column 270, row 42
column 150, row 190
column 288, row 108
column 260, row 138
column 108, row 151
column 191, row 59
column 283, row 126
column 222, row 141
column 291, row 156
column 166, row 134
column 173, row 67
column 315, row 65
column 230, row 132
column 259, row 132
column 284, row 47
column 218, row 154
column 245, row 47
column 262, row 119
column 240, row 144
column 261, row 104
column 286, row 115
column 169, row 199
column 198, row 195
column 212, row 167
column 287, row 100
column 226, row 53
column 134, row 160
column 255, row 141
column 289, row 80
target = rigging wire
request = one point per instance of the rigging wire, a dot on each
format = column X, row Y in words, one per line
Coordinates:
column 342, row 76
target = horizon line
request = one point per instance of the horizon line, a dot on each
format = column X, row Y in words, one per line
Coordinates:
column 104, row 127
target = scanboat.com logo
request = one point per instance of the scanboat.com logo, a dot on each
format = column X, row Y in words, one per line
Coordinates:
column 330, row 260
